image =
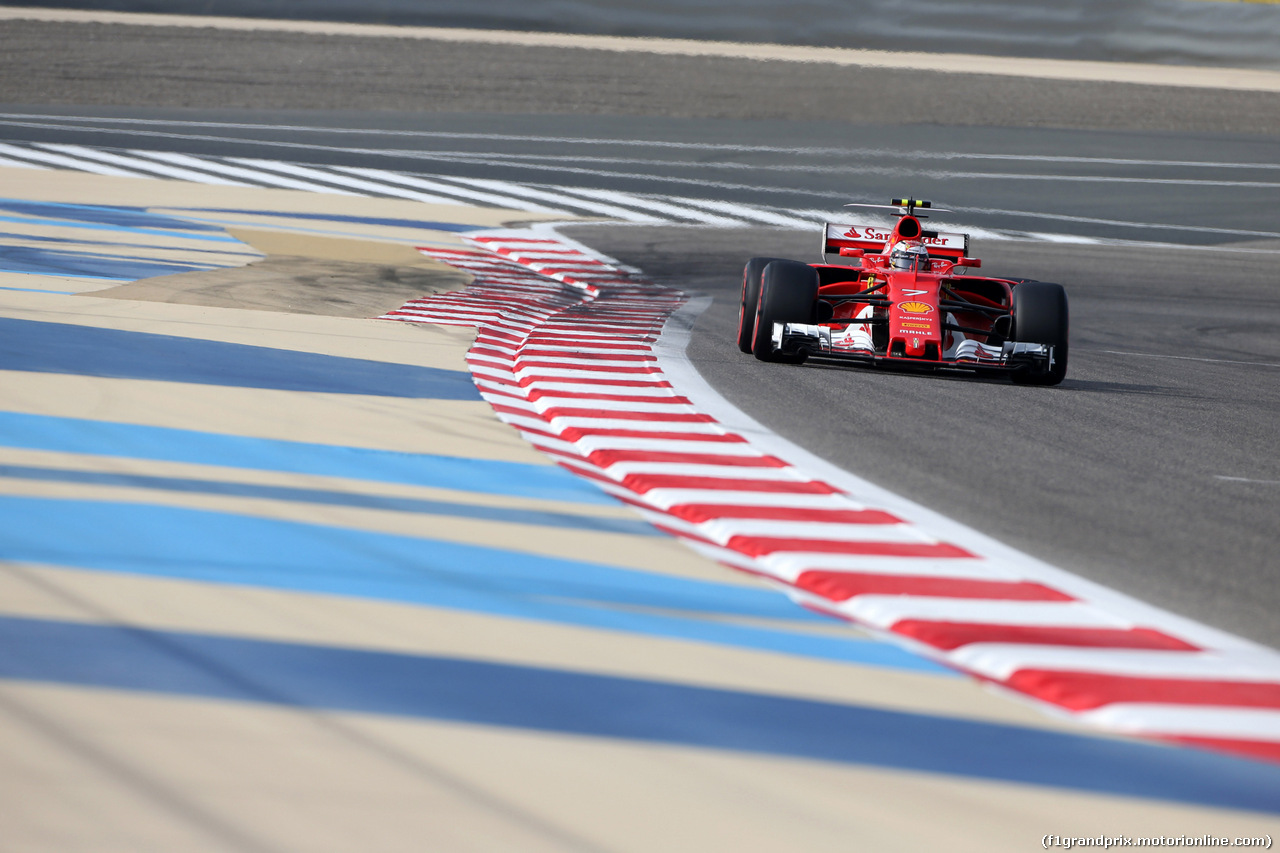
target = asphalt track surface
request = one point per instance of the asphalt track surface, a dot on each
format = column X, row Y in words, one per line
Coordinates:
column 1153, row 468
column 1188, row 32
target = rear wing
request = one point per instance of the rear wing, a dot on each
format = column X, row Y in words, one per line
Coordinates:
column 872, row 239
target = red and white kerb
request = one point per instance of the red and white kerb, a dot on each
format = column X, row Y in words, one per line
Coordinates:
column 565, row 353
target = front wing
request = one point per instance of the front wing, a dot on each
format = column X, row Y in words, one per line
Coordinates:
column 819, row 341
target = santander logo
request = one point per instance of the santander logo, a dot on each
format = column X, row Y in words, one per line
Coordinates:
column 869, row 232
column 856, row 233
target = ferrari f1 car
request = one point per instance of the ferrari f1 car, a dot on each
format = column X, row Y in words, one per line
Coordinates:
column 902, row 298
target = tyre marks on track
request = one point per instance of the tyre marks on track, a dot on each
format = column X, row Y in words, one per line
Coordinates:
column 566, row 352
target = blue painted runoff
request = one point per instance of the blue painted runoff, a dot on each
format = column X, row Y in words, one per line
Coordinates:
column 213, row 547
column 201, row 235
column 41, row 347
column 600, row 706
column 330, row 497
column 43, row 290
column 241, row 249
column 115, row 217
column 42, row 261
column 106, row 438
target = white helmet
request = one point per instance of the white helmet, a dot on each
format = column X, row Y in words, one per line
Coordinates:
column 909, row 255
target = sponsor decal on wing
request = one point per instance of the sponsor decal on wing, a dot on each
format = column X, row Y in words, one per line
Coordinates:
column 875, row 233
column 868, row 233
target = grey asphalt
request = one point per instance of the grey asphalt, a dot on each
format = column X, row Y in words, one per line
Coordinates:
column 113, row 64
column 1154, row 468
column 1187, row 32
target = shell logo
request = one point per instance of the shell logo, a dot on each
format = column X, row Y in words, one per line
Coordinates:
column 916, row 307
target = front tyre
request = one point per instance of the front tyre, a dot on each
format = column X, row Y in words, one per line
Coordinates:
column 1040, row 317
column 750, row 300
column 788, row 294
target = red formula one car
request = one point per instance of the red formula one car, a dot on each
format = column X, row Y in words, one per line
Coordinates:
column 903, row 299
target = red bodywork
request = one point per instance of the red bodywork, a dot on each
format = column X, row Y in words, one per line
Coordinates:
column 927, row 312
column 915, row 309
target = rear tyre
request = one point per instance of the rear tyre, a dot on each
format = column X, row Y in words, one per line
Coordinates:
column 750, row 300
column 1040, row 317
column 788, row 294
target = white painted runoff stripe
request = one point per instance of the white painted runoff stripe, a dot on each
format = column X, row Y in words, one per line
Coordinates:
column 1210, row 722
column 570, row 357
column 252, row 177
column 1000, row 661
column 342, row 180
column 535, row 198
column 342, row 184
column 17, row 164
column 650, row 203
column 588, row 207
column 754, row 214
column 34, row 156
column 137, row 164
column 445, row 189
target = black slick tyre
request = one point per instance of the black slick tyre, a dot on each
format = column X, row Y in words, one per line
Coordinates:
column 1040, row 317
column 788, row 294
column 751, row 274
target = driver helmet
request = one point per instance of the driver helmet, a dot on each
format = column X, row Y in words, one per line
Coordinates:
column 909, row 255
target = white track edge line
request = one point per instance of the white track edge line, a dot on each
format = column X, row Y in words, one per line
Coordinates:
column 683, row 375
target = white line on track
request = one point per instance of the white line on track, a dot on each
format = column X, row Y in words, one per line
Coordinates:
column 1097, row 179
column 551, row 163
column 1116, row 223
column 1249, row 480
column 850, row 163
column 678, row 369
column 19, row 119
column 1192, row 358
